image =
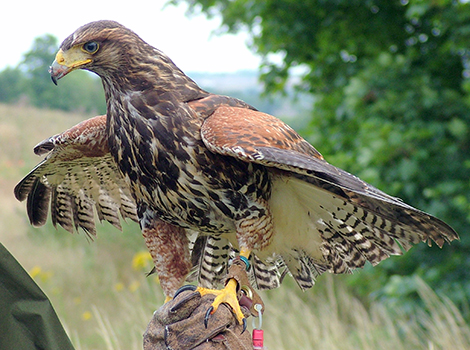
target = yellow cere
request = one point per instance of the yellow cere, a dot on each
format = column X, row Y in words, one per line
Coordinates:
column 72, row 58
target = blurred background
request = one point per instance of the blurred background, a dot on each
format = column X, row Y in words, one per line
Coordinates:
column 381, row 88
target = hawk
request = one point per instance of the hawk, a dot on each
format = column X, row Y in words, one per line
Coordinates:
column 197, row 163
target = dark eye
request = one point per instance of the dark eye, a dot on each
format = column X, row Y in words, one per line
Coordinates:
column 91, row 46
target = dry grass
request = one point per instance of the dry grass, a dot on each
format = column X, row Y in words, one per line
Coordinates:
column 334, row 319
column 102, row 296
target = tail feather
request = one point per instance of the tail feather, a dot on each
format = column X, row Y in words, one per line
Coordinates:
column 266, row 274
column 210, row 257
column 301, row 268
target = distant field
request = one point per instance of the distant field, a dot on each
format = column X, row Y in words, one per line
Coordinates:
column 104, row 300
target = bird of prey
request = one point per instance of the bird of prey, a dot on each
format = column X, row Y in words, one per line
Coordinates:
column 193, row 161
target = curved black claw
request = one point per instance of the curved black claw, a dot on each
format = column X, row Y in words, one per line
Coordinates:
column 183, row 289
column 184, row 300
column 208, row 313
column 244, row 325
column 151, row 272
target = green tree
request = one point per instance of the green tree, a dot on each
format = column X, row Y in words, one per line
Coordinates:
column 390, row 80
column 34, row 65
column 12, row 81
column 31, row 78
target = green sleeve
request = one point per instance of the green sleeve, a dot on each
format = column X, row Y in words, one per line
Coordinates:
column 27, row 318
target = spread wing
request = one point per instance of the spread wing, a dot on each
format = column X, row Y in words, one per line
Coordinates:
column 349, row 221
column 77, row 179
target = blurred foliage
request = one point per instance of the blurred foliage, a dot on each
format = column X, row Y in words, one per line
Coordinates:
column 30, row 82
column 391, row 86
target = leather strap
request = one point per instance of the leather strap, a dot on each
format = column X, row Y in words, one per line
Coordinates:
column 237, row 271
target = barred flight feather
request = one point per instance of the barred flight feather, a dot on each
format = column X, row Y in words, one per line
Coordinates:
column 38, row 200
column 76, row 187
column 61, row 209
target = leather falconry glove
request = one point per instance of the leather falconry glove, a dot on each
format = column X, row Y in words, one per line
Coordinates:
column 179, row 324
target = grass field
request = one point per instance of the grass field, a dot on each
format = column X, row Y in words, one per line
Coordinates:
column 104, row 300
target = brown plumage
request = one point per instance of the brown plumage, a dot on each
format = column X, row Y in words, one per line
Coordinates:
column 241, row 179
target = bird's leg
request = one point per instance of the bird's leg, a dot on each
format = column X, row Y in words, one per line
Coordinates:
column 168, row 246
column 254, row 232
column 229, row 294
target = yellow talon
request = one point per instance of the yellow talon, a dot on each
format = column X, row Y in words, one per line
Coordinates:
column 227, row 295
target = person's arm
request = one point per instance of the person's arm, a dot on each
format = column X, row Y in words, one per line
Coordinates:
column 27, row 318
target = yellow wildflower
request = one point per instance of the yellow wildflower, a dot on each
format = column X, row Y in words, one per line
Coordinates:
column 36, row 270
column 119, row 286
column 142, row 260
column 86, row 315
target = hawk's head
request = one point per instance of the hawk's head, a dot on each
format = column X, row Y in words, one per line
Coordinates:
column 104, row 47
column 92, row 47
column 122, row 59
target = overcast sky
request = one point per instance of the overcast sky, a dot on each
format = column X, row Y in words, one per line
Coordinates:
column 187, row 40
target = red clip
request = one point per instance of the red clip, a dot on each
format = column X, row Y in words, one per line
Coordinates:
column 258, row 336
column 258, row 339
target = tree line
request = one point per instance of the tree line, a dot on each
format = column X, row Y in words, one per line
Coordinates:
column 29, row 82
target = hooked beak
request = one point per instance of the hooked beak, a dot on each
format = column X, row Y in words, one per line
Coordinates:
column 64, row 63
column 58, row 71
